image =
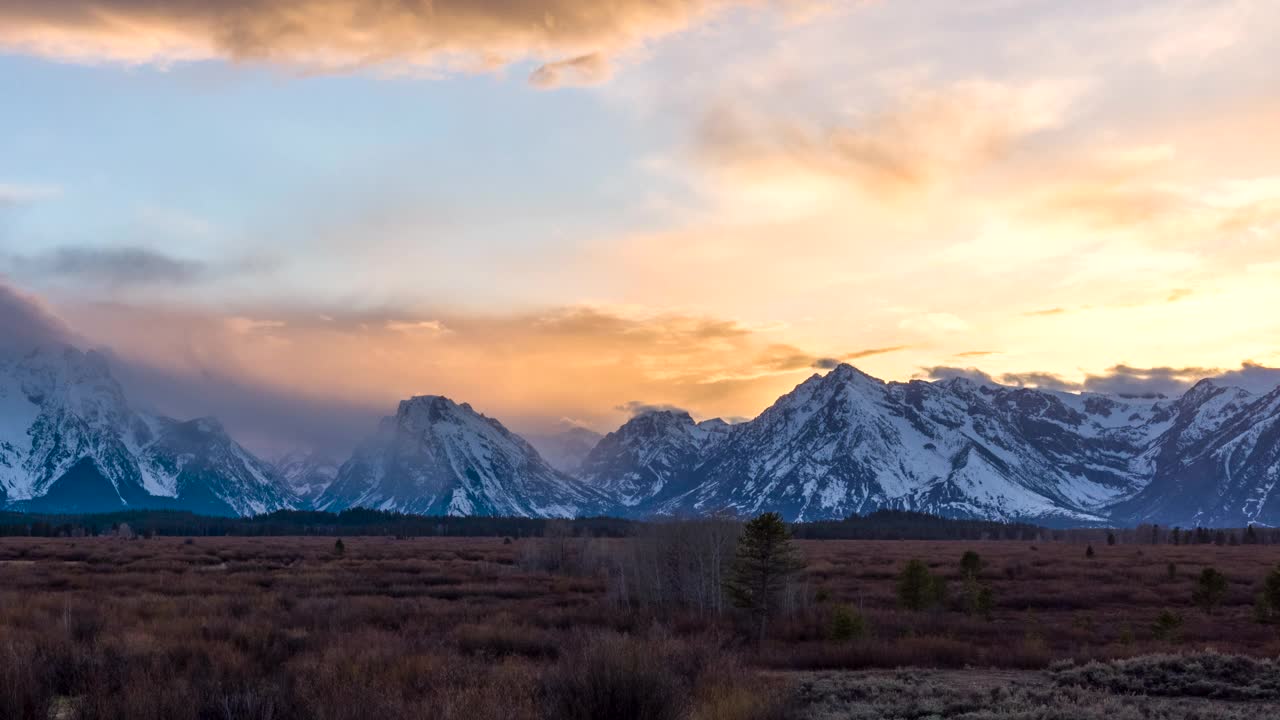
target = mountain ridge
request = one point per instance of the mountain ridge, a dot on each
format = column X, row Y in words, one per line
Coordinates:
column 837, row 444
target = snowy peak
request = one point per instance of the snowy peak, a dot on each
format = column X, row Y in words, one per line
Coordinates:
column 438, row 457
column 422, row 411
column 566, row 447
column 307, row 473
column 70, row 441
column 846, row 442
column 650, row 456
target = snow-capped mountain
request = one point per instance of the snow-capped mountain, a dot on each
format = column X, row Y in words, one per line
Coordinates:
column 308, row 473
column 649, row 458
column 1218, row 464
column 70, row 442
column 837, row 444
column 565, row 448
column 846, row 442
column 436, row 457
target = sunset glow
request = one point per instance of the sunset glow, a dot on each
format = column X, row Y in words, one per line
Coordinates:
column 557, row 210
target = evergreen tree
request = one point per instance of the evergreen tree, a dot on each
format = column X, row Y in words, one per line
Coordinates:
column 919, row 589
column 1268, row 607
column 1167, row 626
column 1210, row 590
column 765, row 560
column 847, row 624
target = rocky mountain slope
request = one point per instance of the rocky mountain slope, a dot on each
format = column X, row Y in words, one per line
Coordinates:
column 70, row 442
column 845, row 443
column 308, row 473
column 565, row 447
column 437, row 457
column 648, row 459
column 837, row 444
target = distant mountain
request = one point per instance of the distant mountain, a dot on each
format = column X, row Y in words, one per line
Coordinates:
column 848, row 443
column 565, row 449
column 1217, row 464
column 845, row 443
column 437, row 457
column 70, row 442
column 308, row 473
column 650, row 458
column 838, row 444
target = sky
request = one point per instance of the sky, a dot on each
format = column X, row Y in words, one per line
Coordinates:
column 293, row 213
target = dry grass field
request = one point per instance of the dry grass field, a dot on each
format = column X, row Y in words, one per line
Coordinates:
column 285, row 628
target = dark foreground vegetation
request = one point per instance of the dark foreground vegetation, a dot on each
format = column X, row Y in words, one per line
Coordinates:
column 1204, row 686
column 669, row 622
column 288, row 523
column 877, row 525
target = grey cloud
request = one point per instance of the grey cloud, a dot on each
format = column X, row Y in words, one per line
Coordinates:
column 1170, row 381
column 1042, row 380
column 828, row 363
column 266, row 419
column 635, row 408
column 1146, row 382
column 590, row 69
column 25, row 322
column 114, row 266
column 130, row 265
column 944, row 372
column 1125, row 380
column 1251, row 376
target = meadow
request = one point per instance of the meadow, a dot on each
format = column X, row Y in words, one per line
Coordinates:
column 295, row 627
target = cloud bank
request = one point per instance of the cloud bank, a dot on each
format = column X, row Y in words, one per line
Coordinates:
column 573, row 38
column 1124, row 380
column 25, row 322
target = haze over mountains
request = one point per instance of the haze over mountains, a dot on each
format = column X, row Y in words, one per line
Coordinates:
column 839, row 443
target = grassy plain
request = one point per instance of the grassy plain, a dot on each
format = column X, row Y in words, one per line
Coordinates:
column 286, row 628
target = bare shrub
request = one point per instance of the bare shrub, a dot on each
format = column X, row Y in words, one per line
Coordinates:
column 675, row 565
column 619, row 677
column 1207, row 675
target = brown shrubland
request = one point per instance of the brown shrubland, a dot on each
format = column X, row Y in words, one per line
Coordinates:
column 285, row 628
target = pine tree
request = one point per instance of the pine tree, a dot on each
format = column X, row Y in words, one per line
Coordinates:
column 847, row 624
column 919, row 589
column 1210, row 590
column 765, row 560
column 1268, row 607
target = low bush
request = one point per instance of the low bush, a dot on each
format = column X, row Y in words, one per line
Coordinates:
column 1205, row 675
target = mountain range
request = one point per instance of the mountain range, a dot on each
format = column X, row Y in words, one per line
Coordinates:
column 838, row 444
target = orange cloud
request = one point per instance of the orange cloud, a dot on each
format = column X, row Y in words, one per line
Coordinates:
column 928, row 136
column 572, row 36
column 580, row 361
